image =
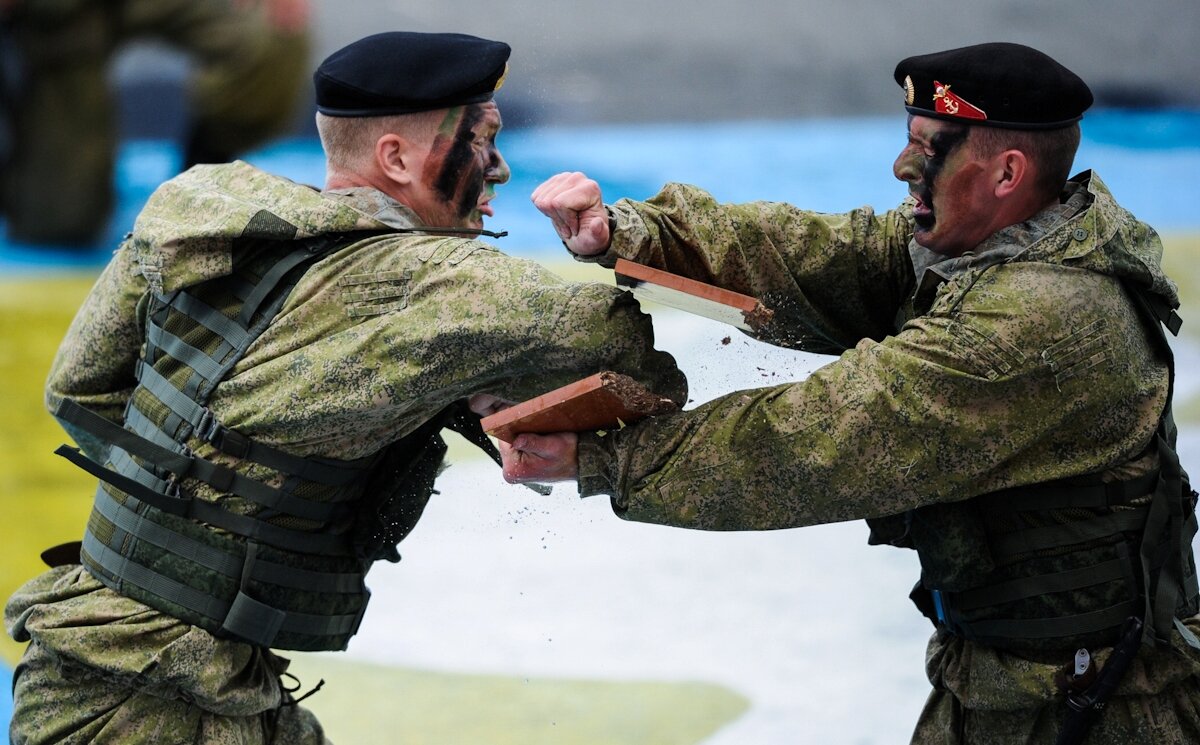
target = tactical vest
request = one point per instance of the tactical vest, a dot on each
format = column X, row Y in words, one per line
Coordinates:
column 1062, row 565
column 275, row 551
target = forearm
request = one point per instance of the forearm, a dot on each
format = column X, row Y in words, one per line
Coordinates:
column 516, row 330
column 831, row 279
column 888, row 428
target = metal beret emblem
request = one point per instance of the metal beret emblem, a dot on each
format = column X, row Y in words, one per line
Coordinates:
column 910, row 91
column 503, row 75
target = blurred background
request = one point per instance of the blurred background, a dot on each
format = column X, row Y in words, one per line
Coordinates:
column 547, row 620
column 633, row 61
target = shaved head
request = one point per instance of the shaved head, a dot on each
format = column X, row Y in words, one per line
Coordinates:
column 349, row 142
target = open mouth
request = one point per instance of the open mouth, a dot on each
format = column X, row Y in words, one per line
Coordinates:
column 923, row 211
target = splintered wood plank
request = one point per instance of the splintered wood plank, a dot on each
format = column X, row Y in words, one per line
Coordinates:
column 600, row 401
column 717, row 303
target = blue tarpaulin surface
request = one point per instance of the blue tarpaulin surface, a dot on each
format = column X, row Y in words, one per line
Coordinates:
column 5, row 700
column 1148, row 159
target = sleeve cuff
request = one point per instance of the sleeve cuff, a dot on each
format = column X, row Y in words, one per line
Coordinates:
column 606, row 258
column 597, row 465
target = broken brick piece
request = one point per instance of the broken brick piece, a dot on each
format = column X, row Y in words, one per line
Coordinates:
column 710, row 301
column 600, row 401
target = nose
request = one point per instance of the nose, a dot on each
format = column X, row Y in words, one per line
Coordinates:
column 909, row 165
column 499, row 172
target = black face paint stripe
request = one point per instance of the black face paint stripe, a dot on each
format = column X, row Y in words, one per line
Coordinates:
column 460, row 156
column 944, row 143
column 470, row 197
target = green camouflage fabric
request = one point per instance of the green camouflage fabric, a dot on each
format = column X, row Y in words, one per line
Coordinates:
column 148, row 680
column 1020, row 362
column 376, row 338
column 58, row 186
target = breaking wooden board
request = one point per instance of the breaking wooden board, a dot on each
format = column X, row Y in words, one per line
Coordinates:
column 600, row 401
column 719, row 304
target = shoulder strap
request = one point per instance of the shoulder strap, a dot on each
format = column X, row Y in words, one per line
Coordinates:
column 1167, row 538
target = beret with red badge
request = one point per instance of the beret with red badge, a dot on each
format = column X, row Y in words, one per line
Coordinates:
column 403, row 72
column 996, row 85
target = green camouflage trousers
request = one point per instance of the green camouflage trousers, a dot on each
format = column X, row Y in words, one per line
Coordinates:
column 101, row 668
column 985, row 697
column 60, row 701
column 1171, row 718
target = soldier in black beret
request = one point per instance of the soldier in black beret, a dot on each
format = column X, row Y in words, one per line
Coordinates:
column 1004, row 85
column 1002, row 110
column 411, row 114
column 1000, row 403
column 289, row 358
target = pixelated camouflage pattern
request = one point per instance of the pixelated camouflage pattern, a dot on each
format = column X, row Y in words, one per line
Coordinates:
column 374, row 340
column 982, row 695
column 148, row 677
column 1020, row 362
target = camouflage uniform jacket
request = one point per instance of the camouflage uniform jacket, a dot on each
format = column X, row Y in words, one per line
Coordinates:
column 1020, row 362
column 375, row 339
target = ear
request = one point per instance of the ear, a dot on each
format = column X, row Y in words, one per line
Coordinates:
column 1012, row 170
column 395, row 158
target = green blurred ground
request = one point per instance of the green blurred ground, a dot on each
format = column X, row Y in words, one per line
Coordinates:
column 410, row 707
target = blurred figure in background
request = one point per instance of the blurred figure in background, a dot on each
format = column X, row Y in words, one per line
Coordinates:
column 56, row 185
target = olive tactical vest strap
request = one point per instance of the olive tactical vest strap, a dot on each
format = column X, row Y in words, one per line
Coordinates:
column 1160, row 564
column 283, row 573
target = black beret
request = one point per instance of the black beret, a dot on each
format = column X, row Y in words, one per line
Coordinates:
column 401, row 72
column 997, row 85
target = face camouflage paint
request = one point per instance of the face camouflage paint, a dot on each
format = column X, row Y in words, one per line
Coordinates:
column 944, row 143
column 460, row 179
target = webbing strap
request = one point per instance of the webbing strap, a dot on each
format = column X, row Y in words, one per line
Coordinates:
column 184, row 407
column 229, row 441
column 222, row 478
column 1161, row 310
column 141, row 424
column 1045, row 628
column 322, row 471
column 272, row 278
column 1166, row 514
column 212, row 319
column 208, row 368
column 1007, row 545
column 1189, row 637
column 196, row 509
column 121, row 570
column 1044, row 584
column 142, row 527
column 1166, row 510
column 1057, row 495
column 248, row 618
column 174, row 505
column 123, row 464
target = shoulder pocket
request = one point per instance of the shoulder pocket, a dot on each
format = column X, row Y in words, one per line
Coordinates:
column 375, row 293
column 1078, row 353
